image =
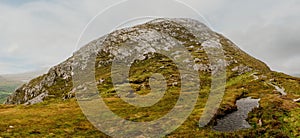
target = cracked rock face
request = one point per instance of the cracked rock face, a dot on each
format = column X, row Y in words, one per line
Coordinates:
column 196, row 37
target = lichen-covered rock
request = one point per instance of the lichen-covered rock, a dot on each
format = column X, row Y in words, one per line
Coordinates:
column 37, row 99
column 241, row 69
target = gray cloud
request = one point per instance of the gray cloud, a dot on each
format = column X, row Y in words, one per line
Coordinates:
column 41, row 33
column 36, row 34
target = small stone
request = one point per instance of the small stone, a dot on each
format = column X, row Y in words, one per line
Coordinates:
column 297, row 100
column 175, row 84
column 259, row 122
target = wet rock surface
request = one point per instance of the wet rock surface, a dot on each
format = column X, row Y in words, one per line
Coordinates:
column 237, row 120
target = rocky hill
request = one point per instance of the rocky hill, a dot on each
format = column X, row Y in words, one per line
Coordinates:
column 50, row 84
column 245, row 75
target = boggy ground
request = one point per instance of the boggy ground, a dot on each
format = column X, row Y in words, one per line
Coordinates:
column 279, row 115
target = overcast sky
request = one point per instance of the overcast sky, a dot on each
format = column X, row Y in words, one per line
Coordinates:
column 40, row 33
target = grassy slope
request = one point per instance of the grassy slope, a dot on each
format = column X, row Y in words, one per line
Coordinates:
column 58, row 118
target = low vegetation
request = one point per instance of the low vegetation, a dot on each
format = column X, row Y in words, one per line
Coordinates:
column 279, row 114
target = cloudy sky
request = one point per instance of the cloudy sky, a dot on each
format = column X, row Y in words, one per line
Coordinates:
column 40, row 33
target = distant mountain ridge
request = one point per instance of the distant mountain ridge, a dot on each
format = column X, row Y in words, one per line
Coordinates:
column 26, row 76
column 296, row 75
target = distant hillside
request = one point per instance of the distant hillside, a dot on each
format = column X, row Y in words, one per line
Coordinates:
column 7, row 87
column 25, row 77
column 296, row 75
column 2, row 78
column 10, row 82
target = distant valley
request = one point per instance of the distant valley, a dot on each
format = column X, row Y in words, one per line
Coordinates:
column 7, row 87
column 10, row 82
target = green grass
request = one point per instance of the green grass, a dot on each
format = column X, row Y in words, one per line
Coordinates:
column 58, row 119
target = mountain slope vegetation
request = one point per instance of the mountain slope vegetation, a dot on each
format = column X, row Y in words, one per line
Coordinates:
column 56, row 113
